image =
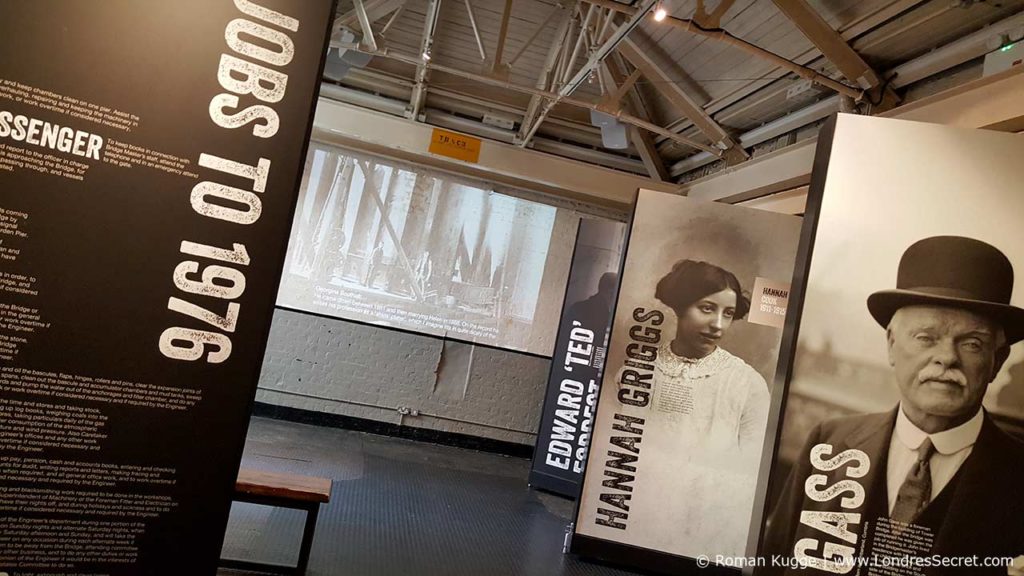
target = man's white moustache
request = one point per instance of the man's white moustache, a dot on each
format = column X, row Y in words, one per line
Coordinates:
column 953, row 375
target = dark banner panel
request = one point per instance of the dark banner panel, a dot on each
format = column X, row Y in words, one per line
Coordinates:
column 900, row 448
column 578, row 362
column 683, row 408
column 149, row 161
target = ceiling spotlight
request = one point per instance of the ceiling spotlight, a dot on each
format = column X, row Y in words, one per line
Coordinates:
column 426, row 56
column 660, row 13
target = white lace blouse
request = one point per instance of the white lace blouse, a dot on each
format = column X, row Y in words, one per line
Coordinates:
column 718, row 403
column 701, row 454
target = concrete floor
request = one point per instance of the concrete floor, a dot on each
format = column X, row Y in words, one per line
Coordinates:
column 403, row 507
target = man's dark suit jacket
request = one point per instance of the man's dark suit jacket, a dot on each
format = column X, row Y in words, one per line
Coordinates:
column 985, row 517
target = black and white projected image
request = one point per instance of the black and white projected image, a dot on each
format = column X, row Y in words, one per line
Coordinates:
column 377, row 242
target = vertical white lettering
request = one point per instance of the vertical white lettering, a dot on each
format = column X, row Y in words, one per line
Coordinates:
column 242, row 77
column 250, row 114
column 274, row 57
column 257, row 173
column 267, row 15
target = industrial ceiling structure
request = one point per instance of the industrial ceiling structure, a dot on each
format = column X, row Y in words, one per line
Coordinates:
column 669, row 89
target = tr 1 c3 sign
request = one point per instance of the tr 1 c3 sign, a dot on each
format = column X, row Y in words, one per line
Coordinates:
column 455, row 145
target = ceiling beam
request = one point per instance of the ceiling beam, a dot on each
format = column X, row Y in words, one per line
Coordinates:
column 364, row 23
column 502, row 36
column 648, row 150
column 935, row 62
column 725, row 107
column 727, row 38
column 714, row 19
column 558, row 43
column 492, row 81
column 834, row 47
column 681, row 100
column 351, row 18
column 617, row 37
column 476, row 31
column 419, row 91
column 540, row 28
column 618, row 86
column 394, row 17
column 375, row 10
column 584, row 27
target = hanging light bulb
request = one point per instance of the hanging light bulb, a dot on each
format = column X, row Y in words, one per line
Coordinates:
column 660, row 13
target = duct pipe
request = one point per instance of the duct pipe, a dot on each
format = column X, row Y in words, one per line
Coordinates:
column 723, row 36
column 955, row 53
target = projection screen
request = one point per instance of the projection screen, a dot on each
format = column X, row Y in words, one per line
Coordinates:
column 396, row 245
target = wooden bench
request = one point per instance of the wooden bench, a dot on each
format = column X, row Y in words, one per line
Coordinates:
column 286, row 491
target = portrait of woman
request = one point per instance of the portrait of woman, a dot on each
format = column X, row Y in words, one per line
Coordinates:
column 724, row 399
column 691, row 359
column 713, row 403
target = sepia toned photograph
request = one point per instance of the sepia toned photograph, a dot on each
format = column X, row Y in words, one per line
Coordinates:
column 902, row 431
column 685, row 399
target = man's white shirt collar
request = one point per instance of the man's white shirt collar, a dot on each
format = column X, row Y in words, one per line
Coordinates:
column 947, row 442
column 952, row 449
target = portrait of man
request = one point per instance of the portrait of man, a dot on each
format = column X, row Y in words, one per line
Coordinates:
column 935, row 475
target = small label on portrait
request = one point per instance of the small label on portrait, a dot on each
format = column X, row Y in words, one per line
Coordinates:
column 675, row 397
column 769, row 302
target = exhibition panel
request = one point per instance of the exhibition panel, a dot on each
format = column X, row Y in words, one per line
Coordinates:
column 149, row 160
column 576, row 368
column 899, row 450
column 683, row 408
column 316, row 286
column 402, row 246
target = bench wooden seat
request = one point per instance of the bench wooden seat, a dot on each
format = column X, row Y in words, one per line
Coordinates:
column 282, row 485
column 286, row 491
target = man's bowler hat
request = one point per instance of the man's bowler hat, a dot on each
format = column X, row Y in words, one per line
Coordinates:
column 957, row 272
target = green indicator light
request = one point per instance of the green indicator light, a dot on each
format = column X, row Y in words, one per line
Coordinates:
column 1007, row 48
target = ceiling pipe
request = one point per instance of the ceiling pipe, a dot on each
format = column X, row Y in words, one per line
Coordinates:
column 765, row 132
column 955, row 53
column 974, row 45
column 723, row 36
column 859, row 33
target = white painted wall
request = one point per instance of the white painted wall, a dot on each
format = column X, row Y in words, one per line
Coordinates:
column 350, row 126
column 340, row 367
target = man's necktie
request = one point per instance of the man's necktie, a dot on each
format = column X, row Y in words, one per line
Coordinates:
column 916, row 491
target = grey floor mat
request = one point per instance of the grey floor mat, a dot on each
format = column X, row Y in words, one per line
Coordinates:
column 403, row 507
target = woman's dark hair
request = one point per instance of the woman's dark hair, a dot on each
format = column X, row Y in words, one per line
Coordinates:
column 690, row 280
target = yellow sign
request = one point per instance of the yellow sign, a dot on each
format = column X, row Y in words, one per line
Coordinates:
column 455, row 145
